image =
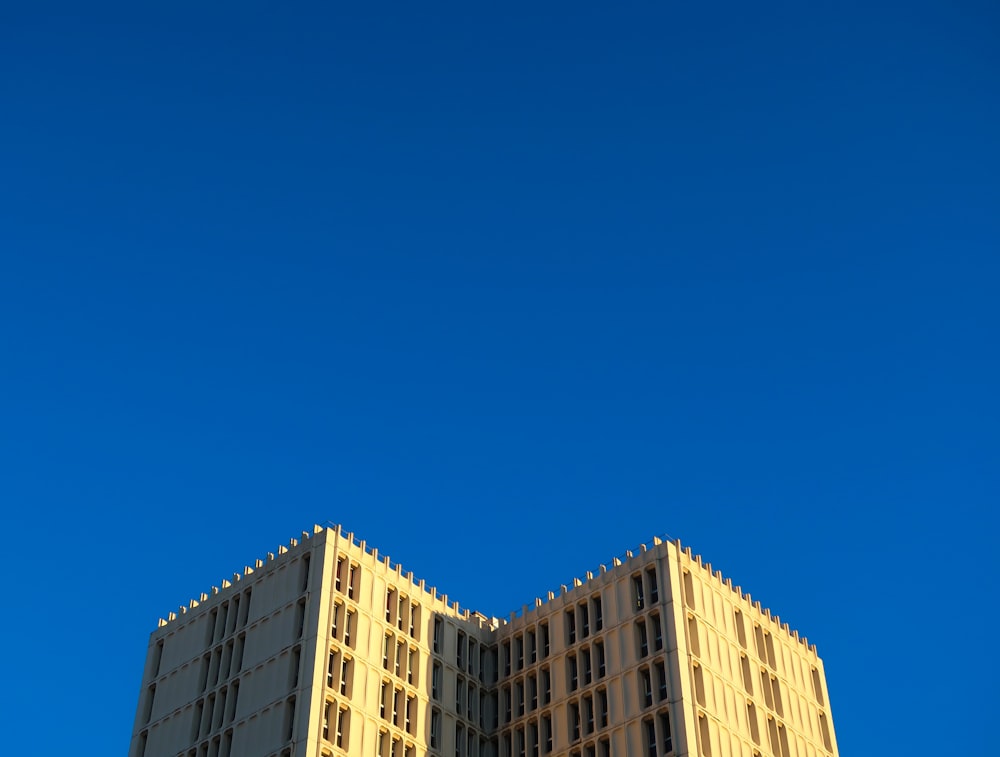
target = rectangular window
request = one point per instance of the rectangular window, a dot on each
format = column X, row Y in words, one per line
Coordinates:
column 601, row 667
column 570, row 618
column 598, row 613
column 584, row 620
column 571, row 672
column 547, row 733
column 436, row 682
column 641, row 640
column 585, row 661
column 532, row 656
column 657, row 631
column 352, row 586
column 661, row 681
column 650, row 729
column 339, row 578
column 638, row 596
column 343, row 723
column 602, row 708
column 646, row 687
column 438, row 632
column 345, row 675
column 460, row 650
column 574, row 721
column 665, row 738
column 654, row 590
column 506, row 658
column 546, row 686
column 435, row 729
column 543, row 629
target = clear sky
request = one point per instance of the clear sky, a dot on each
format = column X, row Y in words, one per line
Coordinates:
column 506, row 289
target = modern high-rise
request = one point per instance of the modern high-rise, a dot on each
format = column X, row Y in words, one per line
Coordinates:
column 327, row 648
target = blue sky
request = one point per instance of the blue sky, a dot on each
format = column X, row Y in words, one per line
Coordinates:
column 556, row 278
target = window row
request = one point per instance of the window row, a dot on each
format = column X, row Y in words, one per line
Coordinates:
column 525, row 694
column 582, row 720
column 347, row 579
column 339, row 672
column 525, row 648
column 344, row 627
column 530, row 740
column 223, row 620
column 214, row 711
column 391, row 745
column 472, row 657
column 583, row 664
column 397, row 706
column 336, row 723
column 648, row 629
column 399, row 658
column 645, row 588
column 656, row 733
column 402, row 613
column 578, row 619
column 655, row 674
column 602, row 748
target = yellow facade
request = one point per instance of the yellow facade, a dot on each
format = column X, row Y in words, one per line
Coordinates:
column 327, row 648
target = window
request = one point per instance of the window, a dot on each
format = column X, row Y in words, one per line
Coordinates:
column 654, row 592
column 546, row 686
column 519, row 696
column 349, row 624
column 352, row 586
column 533, row 692
column 436, row 682
column 754, row 725
column 650, row 729
column 326, row 719
column 519, row 652
column 547, row 733
column 584, row 620
column 532, row 656
column 598, row 612
column 588, row 715
column 506, row 658
column 661, row 681
column 435, row 728
column 602, row 708
column 666, row 740
column 574, row 721
column 646, row 687
column 654, row 619
column 585, row 661
column 641, row 639
column 570, row 618
column 390, row 604
column 438, row 631
column 460, row 650
column 571, row 672
column 543, row 629
column 345, row 675
column 343, row 725
column 339, row 578
column 599, row 649
column 638, row 597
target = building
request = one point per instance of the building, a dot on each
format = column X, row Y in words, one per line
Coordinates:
column 327, row 648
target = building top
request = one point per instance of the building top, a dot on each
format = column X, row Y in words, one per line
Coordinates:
column 566, row 592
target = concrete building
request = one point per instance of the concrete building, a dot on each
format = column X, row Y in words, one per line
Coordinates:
column 327, row 648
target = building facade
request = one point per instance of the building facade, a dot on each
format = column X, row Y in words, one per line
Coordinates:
column 326, row 648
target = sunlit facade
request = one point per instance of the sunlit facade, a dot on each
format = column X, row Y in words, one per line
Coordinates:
column 327, row 648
